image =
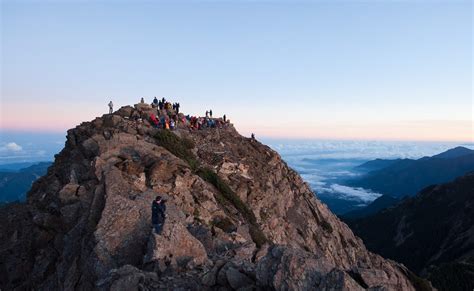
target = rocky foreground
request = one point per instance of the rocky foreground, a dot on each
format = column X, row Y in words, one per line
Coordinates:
column 238, row 218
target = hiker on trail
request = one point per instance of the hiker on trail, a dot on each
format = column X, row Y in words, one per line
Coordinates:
column 253, row 137
column 142, row 100
column 177, row 108
column 158, row 209
column 207, row 114
column 210, row 113
column 163, row 100
column 111, row 107
column 225, row 118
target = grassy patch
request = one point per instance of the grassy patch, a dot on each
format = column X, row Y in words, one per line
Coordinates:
column 211, row 177
column 326, row 226
column 228, row 195
column 224, row 223
column 257, row 235
column 180, row 147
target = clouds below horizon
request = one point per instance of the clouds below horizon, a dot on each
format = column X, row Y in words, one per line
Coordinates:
column 305, row 151
column 348, row 193
column 326, row 164
column 19, row 147
column 10, row 147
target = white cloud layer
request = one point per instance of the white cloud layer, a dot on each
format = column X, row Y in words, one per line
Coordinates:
column 11, row 147
column 350, row 193
column 327, row 164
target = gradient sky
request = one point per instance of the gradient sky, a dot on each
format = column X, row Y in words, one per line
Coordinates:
column 322, row 69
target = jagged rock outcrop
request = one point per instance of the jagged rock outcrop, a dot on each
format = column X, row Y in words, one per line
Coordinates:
column 238, row 218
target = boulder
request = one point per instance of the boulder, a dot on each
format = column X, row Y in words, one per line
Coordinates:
column 128, row 278
column 175, row 247
column 237, row 279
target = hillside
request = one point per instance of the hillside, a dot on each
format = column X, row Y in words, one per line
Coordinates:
column 238, row 218
column 15, row 184
column 376, row 165
column 405, row 177
column 431, row 233
column 378, row 204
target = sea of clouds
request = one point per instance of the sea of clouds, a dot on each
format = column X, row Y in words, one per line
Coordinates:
column 325, row 164
column 21, row 147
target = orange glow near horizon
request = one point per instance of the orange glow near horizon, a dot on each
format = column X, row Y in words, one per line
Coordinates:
column 450, row 131
column 430, row 130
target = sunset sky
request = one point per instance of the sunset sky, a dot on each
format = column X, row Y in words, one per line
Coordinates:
column 379, row 70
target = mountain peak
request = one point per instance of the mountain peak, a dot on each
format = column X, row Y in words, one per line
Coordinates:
column 237, row 216
column 456, row 152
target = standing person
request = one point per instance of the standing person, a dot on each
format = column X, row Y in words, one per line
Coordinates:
column 225, row 118
column 253, row 137
column 142, row 100
column 111, row 107
column 177, row 108
column 210, row 113
column 158, row 214
column 207, row 114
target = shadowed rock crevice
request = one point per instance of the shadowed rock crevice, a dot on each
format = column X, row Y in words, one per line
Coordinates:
column 358, row 278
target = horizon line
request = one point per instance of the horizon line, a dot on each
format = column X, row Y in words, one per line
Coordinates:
column 263, row 137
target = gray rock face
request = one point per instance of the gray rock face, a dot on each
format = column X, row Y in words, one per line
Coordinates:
column 238, row 218
column 175, row 248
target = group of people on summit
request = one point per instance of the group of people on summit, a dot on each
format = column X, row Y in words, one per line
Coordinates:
column 162, row 104
column 168, row 116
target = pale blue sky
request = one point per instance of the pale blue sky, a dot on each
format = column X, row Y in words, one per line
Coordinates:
column 320, row 69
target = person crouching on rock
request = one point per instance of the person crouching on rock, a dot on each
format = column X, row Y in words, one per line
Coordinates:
column 158, row 209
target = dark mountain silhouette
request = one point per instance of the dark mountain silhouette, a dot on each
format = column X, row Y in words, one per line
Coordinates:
column 15, row 167
column 376, row 164
column 378, row 204
column 238, row 218
column 431, row 233
column 454, row 153
column 15, row 184
column 406, row 177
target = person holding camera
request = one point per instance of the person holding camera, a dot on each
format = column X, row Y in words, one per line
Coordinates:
column 158, row 214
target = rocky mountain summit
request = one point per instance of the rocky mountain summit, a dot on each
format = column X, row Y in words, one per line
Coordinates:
column 238, row 218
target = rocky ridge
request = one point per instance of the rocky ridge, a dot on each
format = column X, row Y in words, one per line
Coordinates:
column 238, row 218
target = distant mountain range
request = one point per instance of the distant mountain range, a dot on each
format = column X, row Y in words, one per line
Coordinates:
column 16, row 167
column 431, row 233
column 406, row 177
column 378, row 204
column 15, row 183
